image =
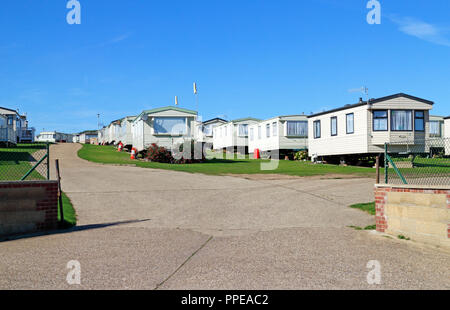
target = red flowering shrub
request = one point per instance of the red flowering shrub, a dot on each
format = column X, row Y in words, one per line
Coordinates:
column 186, row 153
column 159, row 154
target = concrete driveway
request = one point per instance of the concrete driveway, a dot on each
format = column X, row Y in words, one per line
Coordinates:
column 156, row 229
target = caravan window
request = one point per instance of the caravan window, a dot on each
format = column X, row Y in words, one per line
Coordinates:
column 401, row 120
column 317, row 130
column 350, row 123
column 380, row 120
column 170, row 125
column 267, row 130
column 419, row 121
column 208, row 130
column 275, row 129
column 435, row 128
column 297, row 129
column 243, row 130
column 334, row 130
column 251, row 134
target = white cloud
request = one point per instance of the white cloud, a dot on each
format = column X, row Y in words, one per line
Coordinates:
column 422, row 30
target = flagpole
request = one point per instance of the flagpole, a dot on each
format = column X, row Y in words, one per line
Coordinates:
column 196, row 96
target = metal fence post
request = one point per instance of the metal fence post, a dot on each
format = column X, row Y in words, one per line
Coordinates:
column 386, row 164
column 48, row 161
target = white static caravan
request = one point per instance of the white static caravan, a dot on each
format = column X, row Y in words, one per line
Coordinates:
column 284, row 134
column 102, row 136
column 54, row 137
column 125, row 134
column 88, row 137
column 7, row 135
column 233, row 136
column 19, row 125
column 205, row 130
column 437, row 134
column 113, row 132
column 165, row 127
column 76, row 138
column 365, row 127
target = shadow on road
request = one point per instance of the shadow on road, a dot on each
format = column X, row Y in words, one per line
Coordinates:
column 69, row 230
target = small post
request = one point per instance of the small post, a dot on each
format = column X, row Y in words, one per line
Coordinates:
column 48, row 161
column 58, row 177
column 378, row 169
column 386, row 164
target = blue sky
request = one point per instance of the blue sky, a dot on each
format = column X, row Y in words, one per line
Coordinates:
column 249, row 57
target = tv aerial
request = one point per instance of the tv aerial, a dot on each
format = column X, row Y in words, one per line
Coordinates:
column 364, row 90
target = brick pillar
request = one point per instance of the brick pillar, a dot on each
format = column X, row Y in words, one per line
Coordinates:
column 380, row 202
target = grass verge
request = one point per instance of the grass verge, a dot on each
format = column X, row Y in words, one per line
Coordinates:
column 366, row 207
column 70, row 216
column 220, row 166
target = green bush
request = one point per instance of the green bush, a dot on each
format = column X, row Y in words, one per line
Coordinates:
column 301, row 155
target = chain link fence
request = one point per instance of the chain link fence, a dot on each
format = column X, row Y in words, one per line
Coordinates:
column 24, row 162
column 423, row 162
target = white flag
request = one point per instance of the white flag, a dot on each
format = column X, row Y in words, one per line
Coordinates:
column 195, row 88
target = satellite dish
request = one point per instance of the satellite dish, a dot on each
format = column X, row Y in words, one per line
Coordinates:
column 145, row 117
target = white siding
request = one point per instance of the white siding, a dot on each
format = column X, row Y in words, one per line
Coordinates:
column 144, row 134
column 342, row 143
column 280, row 141
column 447, row 136
column 201, row 137
column 364, row 139
column 227, row 135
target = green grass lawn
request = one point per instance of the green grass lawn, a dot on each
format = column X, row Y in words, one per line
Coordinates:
column 109, row 155
column 366, row 207
column 70, row 216
column 15, row 162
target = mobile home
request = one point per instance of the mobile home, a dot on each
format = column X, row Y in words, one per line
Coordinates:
column 205, row 131
column 19, row 125
column 125, row 134
column 88, row 137
column 166, row 127
column 102, row 136
column 7, row 134
column 281, row 134
column 436, row 141
column 54, row 137
column 364, row 128
column 233, row 136
column 113, row 132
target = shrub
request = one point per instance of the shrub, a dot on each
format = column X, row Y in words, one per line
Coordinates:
column 180, row 155
column 301, row 155
column 159, row 154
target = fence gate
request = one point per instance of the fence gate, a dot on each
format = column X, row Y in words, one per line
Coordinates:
column 419, row 162
column 25, row 162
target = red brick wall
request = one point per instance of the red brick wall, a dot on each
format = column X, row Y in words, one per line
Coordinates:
column 381, row 199
column 28, row 206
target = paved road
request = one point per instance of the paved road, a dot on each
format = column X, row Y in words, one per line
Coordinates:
column 155, row 229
